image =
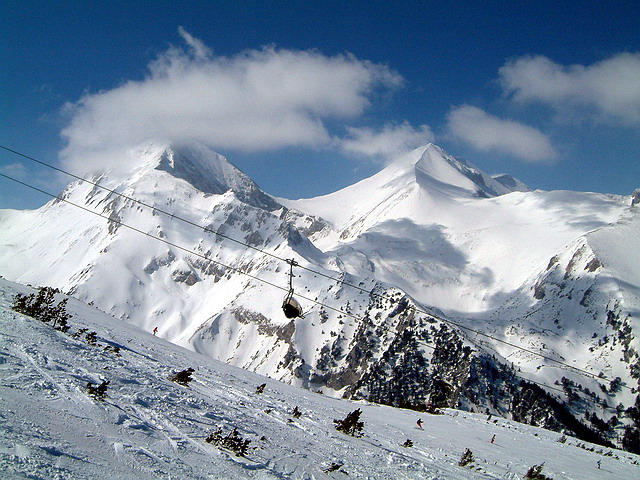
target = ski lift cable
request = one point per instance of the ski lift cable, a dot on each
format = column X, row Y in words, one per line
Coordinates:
column 179, row 247
column 343, row 282
column 137, row 230
column 207, row 229
column 291, row 262
column 340, row 281
column 173, row 216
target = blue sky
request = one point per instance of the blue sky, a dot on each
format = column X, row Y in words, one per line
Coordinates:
column 309, row 97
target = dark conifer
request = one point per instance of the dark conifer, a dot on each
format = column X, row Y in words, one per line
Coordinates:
column 351, row 424
column 98, row 392
column 41, row 306
column 92, row 338
column 232, row 441
column 333, row 467
column 631, row 439
column 466, row 459
column 535, row 473
column 183, row 377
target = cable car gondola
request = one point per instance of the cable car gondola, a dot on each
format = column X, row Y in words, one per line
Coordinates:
column 290, row 306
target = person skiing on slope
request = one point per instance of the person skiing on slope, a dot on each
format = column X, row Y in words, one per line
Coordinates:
column 155, row 330
column 419, row 422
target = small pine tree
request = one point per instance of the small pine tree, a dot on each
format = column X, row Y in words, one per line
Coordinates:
column 261, row 388
column 40, row 304
column 232, row 441
column 351, row 424
column 333, row 467
column 183, row 377
column 408, row 443
column 20, row 304
column 535, row 473
column 296, row 413
column 467, row 458
column 98, row 392
column 111, row 348
column 59, row 315
column 80, row 332
column 62, row 325
column 92, row 338
column 631, row 439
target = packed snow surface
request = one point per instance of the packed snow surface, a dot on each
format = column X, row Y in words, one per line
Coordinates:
column 148, row 427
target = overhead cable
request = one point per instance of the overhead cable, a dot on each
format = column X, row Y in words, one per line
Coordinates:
column 172, row 216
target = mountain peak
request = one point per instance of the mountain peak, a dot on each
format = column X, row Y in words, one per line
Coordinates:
column 211, row 173
column 203, row 168
column 438, row 170
column 409, row 187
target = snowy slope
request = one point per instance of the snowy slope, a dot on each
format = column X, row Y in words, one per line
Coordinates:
column 149, row 427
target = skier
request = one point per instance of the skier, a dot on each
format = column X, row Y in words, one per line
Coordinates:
column 155, row 330
column 419, row 422
column 599, row 464
column 493, row 439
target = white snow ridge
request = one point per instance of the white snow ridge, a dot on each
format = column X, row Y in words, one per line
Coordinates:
column 430, row 285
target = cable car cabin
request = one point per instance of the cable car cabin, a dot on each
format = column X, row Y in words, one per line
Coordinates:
column 291, row 307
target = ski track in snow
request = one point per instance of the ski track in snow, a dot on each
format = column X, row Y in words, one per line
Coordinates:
column 149, row 427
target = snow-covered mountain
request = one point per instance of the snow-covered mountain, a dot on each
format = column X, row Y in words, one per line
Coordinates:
column 550, row 277
column 437, row 228
column 148, row 427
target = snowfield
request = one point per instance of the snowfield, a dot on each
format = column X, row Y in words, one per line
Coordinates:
column 148, row 427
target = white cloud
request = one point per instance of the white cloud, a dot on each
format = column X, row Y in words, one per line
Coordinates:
column 254, row 101
column 486, row 132
column 610, row 88
column 386, row 142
